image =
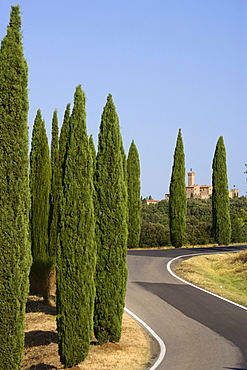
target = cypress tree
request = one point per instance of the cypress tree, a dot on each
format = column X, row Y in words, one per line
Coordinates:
column 63, row 142
column 177, row 201
column 134, row 200
column 93, row 151
column 40, row 183
column 15, row 252
column 93, row 154
column 111, row 228
column 220, row 196
column 77, row 251
column 54, row 194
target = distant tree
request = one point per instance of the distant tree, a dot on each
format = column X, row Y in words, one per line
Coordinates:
column 111, row 228
column 40, row 185
column 242, row 217
column 240, row 234
column 134, row 201
column 245, row 172
column 77, row 252
column 177, row 201
column 220, row 196
column 197, row 232
column 237, row 231
column 198, row 222
column 15, row 252
column 54, row 194
column 154, row 235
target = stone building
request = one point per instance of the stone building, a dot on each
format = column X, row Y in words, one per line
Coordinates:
column 197, row 191
column 201, row 191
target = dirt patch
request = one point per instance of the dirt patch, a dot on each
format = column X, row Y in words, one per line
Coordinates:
column 41, row 348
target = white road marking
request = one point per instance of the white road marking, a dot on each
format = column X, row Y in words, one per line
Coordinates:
column 159, row 340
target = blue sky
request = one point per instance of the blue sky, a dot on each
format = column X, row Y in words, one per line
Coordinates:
column 168, row 64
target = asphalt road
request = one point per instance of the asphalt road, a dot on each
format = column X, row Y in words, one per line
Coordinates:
column 200, row 331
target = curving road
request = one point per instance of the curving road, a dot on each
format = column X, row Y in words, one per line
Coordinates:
column 200, row 331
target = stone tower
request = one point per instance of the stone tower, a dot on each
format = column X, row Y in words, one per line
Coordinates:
column 191, row 178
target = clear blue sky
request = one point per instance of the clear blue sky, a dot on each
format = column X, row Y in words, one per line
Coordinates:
column 169, row 64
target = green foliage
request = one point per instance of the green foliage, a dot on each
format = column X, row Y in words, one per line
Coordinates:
column 156, row 212
column 134, row 201
column 245, row 171
column 111, row 228
column 177, row 201
column 238, row 211
column 63, row 141
column 93, row 154
column 54, row 194
column 93, row 151
column 154, row 235
column 237, row 231
column 15, row 252
column 239, row 225
column 242, row 217
column 198, row 222
column 77, row 251
column 220, row 196
column 40, row 184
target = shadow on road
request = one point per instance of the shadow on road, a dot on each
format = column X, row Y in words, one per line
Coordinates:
column 205, row 309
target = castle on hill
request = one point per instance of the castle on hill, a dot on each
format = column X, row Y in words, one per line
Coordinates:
column 201, row 191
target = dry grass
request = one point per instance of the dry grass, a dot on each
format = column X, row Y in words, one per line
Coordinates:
column 223, row 274
column 41, row 348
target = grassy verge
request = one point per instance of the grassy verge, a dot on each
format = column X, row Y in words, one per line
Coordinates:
column 222, row 274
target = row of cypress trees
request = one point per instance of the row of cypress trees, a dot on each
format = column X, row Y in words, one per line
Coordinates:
column 79, row 215
column 79, row 212
column 220, row 197
column 93, row 224
column 93, row 201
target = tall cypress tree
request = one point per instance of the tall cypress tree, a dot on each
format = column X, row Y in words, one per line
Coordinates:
column 40, row 183
column 54, row 194
column 63, row 141
column 15, row 252
column 111, row 228
column 77, row 252
column 220, row 196
column 93, row 151
column 93, row 154
column 177, row 201
column 134, row 200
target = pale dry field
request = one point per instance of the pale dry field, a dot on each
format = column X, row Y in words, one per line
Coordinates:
column 223, row 274
column 41, row 348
